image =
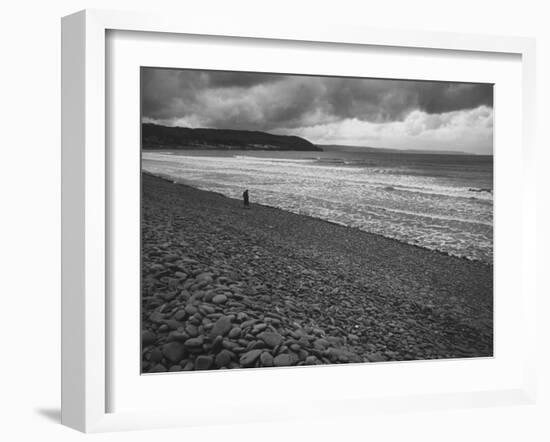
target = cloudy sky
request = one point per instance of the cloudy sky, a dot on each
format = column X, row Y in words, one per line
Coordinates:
column 325, row 110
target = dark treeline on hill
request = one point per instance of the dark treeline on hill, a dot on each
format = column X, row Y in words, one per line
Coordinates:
column 154, row 136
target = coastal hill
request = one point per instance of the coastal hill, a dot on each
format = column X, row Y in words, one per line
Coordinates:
column 161, row 137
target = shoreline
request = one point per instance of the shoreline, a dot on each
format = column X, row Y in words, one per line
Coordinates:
column 389, row 238
column 225, row 287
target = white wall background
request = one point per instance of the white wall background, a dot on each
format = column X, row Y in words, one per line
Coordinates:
column 30, row 215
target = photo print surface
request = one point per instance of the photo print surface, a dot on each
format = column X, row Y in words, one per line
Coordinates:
column 296, row 220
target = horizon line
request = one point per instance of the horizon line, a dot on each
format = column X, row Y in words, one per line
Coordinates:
column 441, row 151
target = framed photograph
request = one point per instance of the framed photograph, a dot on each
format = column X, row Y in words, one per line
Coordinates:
column 281, row 222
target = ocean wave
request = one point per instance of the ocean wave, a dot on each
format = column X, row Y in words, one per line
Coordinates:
column 452, row 192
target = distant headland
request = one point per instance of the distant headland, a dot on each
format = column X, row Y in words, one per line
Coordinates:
column 162, row 137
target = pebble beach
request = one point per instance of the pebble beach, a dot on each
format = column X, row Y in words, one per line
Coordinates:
column 224, row 287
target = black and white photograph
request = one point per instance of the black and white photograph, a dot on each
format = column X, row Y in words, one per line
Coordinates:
column 300, row 220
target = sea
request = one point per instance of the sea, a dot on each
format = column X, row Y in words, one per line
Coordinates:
column 441, row 202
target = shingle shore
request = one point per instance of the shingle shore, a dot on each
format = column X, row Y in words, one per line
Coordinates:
column 226, row 287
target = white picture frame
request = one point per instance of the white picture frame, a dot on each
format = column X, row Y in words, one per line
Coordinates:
column 85, row 211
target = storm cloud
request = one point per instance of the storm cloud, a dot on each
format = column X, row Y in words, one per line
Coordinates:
column 314, row 105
